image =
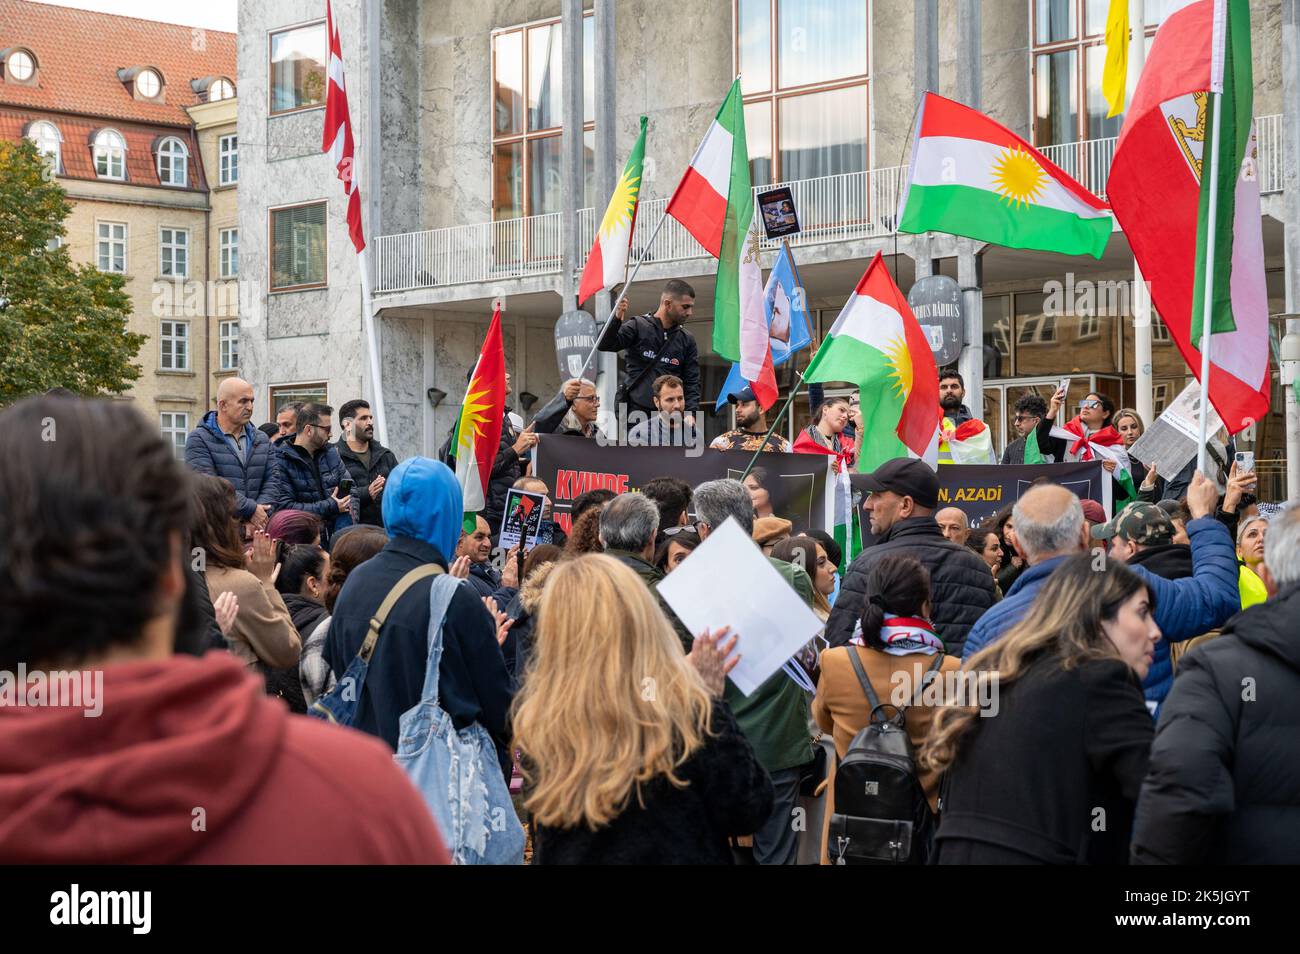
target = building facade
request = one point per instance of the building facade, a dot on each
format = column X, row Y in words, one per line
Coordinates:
column 469, row 200
column 133, row 115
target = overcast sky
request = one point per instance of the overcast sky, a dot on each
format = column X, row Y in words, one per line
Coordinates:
column 209, row 14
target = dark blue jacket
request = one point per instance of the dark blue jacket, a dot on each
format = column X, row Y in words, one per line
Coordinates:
column 208, row 451
column 303, row 483
column 422, row 514
column 1184, row 608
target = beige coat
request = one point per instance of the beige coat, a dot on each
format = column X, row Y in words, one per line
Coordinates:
column 841, row 708
column 263, row 630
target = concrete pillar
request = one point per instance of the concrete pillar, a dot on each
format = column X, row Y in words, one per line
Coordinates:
column 571, row 149
column 1291, row 228
column 970, row 272
column 925, row 57
column 607, row 170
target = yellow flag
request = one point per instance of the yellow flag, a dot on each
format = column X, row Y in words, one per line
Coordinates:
column 1114, row 75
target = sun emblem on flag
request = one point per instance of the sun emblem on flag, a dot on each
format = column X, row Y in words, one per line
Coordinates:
column 473, row 419
column 1018, row 177
column 900, row 366
column 622, row 203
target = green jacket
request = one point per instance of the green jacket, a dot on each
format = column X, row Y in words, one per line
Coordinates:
column 774, row 717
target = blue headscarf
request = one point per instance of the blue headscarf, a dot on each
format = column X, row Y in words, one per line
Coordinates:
column 422, row 500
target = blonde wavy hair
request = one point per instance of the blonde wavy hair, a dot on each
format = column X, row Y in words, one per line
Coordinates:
column 1064, row 619
column 608, row 701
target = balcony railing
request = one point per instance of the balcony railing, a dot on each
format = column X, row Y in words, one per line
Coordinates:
column 855, row 205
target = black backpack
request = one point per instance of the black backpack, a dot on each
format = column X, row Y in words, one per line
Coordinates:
column 881, row 814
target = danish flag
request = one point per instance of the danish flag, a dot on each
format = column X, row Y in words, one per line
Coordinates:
column 337, row 140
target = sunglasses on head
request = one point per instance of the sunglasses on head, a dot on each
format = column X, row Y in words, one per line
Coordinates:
column 673, row 531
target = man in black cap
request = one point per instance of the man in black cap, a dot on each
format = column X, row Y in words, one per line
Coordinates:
column 900, row 507
column 751, row 426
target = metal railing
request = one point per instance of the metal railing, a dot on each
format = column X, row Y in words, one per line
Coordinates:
column 853, row 205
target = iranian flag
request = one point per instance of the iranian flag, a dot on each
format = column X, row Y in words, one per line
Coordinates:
column 477, row 437
column 974, row 177
column 715, row 203
column 1160, row 189
column 607, row 264
column 877, row 344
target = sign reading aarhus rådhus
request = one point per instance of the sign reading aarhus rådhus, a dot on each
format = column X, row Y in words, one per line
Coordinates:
column 575, row 336
column 936, row 302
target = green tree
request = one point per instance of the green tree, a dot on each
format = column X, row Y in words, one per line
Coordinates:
column 61, row 324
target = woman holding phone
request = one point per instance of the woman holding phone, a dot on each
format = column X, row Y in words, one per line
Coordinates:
column 1084, row 435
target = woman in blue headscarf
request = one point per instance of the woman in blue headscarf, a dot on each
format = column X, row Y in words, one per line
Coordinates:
column 422, row 514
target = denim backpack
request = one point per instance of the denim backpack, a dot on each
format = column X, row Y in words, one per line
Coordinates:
column 457, row 771
column 339, row 705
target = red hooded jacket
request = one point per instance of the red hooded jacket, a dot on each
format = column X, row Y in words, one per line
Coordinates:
column 191, row 762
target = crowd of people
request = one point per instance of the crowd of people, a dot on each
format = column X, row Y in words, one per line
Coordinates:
column 1044, row 669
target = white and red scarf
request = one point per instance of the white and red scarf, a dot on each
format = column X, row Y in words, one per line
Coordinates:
column 904, row 636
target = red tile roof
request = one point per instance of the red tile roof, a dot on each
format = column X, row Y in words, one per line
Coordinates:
column 78, row 157
column 79, row 52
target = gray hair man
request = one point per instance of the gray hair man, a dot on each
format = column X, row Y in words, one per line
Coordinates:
column 953, row 525
column 774, row 717
column 1222, row 786
column 1050, row 528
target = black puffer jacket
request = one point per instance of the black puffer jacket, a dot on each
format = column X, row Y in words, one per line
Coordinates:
column 382, row 462
column 641, row 337
column 961, row 586
column 1223, row 786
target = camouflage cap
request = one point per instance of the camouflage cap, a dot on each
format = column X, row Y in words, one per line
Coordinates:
column 1139, row 522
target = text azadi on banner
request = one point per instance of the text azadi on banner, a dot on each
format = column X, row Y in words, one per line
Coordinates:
column 981, row 490
column 795, row 483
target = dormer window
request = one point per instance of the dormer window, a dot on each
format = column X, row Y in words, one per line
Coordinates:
column 110, row 154
column 221, row 89
column 147, row 84
column 19, row 66
column 173, row 162
column 48, row 142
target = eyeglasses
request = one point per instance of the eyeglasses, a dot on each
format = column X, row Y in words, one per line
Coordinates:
column 1021, row 418
column 318, row 427
column 1085, row 405
column 593, row 398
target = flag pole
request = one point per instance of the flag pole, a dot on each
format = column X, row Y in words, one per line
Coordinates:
column 772, row 429
column 627, row 283
column 372, row 346
column 1207, row 312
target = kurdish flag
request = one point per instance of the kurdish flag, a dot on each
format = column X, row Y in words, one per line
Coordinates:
column 1160, row 187
column 971, row 176
column 607, row 264
column 715, row 203
column 477, row 437
column 877, row 344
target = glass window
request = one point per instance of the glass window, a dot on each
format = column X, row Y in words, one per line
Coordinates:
column 175, row 428
column 229, row 253
column 1094, row 22
column 508, row 179
column 545, row 176
column 1098, row 126
column 823, row 134
column 298, row 68
column 755, row 46
column 174, row 350
column 545, row 77
column 148, row 84
column 228, row 151
column 508, row 82
column 48, row 142
column 110, row 154
column 296, row 393
column 758, row 136
column 993, row 416
column 173, row 160
column 221, row 89
column 1054, row 20
column 21, row 66
column 997, row 336
column 111, row 241
column 1057, row 116
column 228, row 332
column 298, row 246
column 174, row 246
column 821, row 40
